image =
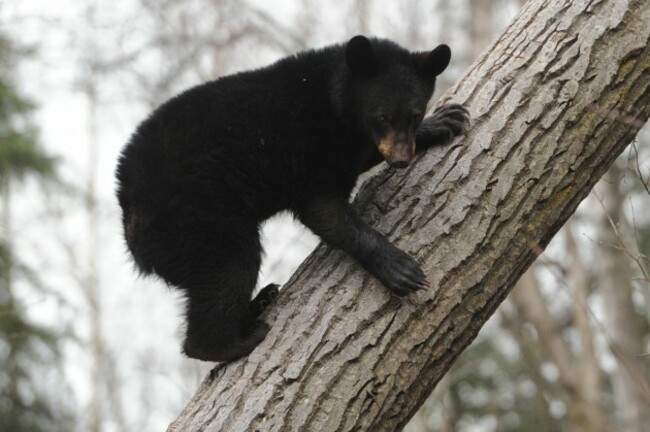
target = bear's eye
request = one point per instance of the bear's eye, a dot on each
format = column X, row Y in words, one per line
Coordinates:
column 383, row 119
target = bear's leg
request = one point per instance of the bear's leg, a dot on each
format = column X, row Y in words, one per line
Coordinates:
column 220, row 333
column 222, row 324
column 336, row 222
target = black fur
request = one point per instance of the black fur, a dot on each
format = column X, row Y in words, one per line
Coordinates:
column 207, row 167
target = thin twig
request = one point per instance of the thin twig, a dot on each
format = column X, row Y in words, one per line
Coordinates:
column 636, row 258
column 638, row 168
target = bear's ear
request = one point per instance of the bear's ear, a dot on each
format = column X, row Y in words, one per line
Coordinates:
column 360, row 56
column 431, row 64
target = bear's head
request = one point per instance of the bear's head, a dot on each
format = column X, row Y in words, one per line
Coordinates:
column 388, row 91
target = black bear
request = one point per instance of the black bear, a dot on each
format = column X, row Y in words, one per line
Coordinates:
column 200, row 175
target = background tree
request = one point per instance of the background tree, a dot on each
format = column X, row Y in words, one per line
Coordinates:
column 27, row 349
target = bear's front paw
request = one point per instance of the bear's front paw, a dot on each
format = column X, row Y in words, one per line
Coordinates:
column 399, row 272
column 447, row 122
column 452, row 117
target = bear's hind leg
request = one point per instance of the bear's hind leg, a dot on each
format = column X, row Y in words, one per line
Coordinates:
column 217, row 331
column 222, row 323
column 229, row 339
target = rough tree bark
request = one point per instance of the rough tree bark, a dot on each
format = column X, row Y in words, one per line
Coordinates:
column 554, row 99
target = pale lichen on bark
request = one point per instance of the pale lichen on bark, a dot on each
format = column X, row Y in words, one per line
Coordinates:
column 554, row 100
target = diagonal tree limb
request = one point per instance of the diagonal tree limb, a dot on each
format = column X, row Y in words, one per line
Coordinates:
column 555, row 99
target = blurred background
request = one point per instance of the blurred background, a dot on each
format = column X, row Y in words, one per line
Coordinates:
column 86, row 345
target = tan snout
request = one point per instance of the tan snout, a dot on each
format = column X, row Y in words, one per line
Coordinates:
column 397, row 148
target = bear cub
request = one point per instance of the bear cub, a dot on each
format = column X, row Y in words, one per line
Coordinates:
column 207, row 167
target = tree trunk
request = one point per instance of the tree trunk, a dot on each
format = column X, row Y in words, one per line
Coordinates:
column 531, row 304
column 480, row 28
column 555, row 99
column 625, row 327
column 589, row 413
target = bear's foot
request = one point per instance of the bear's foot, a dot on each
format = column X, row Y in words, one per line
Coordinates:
column 264, row 298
